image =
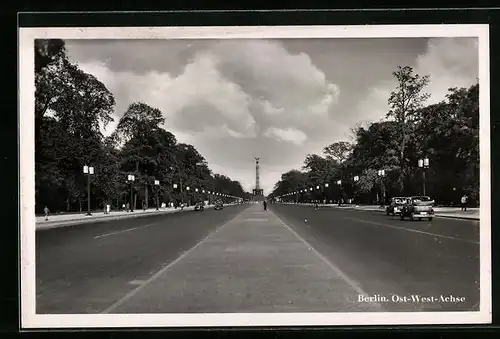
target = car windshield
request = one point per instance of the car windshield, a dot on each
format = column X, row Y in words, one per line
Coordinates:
column 422, row 200
column 399, row 200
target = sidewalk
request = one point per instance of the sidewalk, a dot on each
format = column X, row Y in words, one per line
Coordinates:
column 253, row 263
column 82, row 218
column 445, row 212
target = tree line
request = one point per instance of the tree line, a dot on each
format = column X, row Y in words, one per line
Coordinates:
column 70, row 108
column 445, row 133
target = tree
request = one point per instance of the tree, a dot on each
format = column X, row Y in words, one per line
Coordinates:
column 290, row 181
column 48, row 52
column 316, row 167
column 139, row 120
column 139, row 132
column 404, row 104
column 446, row 132
column 454, row 165
column 339, row 151
column 78, row 103
column 70, row 108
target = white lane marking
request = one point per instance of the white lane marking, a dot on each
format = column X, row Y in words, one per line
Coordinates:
column 126, row 230
column 413, row 230
column 137, row 282
column 334, row 267
column 164, row 269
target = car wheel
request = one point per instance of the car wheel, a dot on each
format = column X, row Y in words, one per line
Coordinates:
column 430, row 218
column 412, row 216
column 401, row 216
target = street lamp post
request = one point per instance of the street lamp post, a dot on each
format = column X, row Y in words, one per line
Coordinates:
column 339, row 182
column 424, row 165
column 356, row 179
column 326, row 192
column 131, row 179
column 381, row 174
column 89, row 170
column 157, row 185
column 175, row 187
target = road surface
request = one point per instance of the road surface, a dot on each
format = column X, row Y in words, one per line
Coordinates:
column 244, row 259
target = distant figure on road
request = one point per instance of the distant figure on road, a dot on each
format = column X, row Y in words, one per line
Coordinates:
column 128, row 207
column 265, row 205
column 46, row 211
column 463, row 202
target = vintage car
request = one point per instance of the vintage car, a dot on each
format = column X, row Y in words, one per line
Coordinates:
column 418, row 207
column 218, row 205
column 200, row 206
column 395, row 206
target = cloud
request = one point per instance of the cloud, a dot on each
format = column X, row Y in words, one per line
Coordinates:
column 237, row 99
column 450, row 62
column 292, row 135
column 238, row 92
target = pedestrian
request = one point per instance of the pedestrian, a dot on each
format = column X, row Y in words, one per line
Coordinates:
column 46, row 211
column 464, row 201
column 128, row 207
column 265, row 205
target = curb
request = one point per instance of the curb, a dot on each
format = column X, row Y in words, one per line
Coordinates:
column 58, row 224
column 383, row 211
column 457, row 217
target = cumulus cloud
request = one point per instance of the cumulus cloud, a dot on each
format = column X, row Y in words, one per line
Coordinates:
column 450, row 62
column 242, row 90
column 238, row 99
column 292, row 135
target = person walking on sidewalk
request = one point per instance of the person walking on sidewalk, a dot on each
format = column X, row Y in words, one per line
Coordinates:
column 46, row 212
column 464, row 201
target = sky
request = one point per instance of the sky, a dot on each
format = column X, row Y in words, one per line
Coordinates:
column 278, row 100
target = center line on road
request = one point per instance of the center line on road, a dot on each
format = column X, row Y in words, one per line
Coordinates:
column 123, row 231
column 412, row 230
column 167, row 267
column 334, row 267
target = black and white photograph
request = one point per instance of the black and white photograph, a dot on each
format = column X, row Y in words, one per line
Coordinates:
column 254, row 176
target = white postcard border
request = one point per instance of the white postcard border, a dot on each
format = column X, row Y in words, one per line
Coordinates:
column 29, row 318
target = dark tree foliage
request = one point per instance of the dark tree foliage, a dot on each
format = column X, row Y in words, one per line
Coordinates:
column 70, row 108
column 447, row 133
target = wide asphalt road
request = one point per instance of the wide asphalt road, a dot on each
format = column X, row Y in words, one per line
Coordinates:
column 388, row 257
column 85, row 268
column 259, row 261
